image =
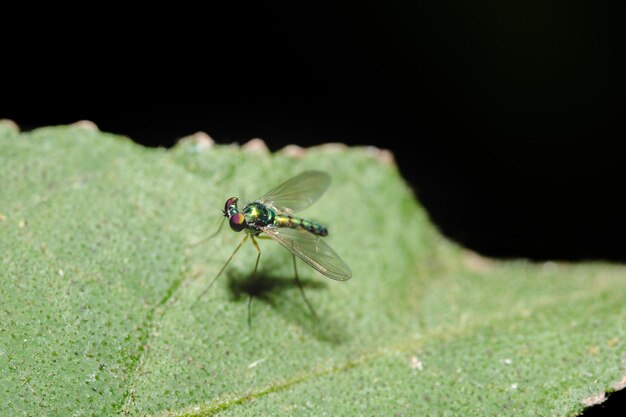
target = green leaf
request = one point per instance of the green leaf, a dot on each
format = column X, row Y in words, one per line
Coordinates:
column 101, row 268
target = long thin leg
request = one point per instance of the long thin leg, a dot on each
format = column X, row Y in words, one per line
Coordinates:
column 306, row 300
column 223, row 268
column 212, row 235
column 256, row 266
column 258, row 249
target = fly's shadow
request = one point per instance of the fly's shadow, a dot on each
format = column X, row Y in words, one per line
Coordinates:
column 280, row 292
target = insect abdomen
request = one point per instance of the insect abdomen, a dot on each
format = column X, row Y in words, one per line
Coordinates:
column 298, row 222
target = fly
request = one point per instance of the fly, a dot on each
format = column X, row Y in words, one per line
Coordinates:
column 273, row 216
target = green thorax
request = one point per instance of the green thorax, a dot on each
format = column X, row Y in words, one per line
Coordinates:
column 258, row 215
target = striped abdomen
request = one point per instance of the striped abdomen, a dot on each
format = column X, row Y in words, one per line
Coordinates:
column 298, row 222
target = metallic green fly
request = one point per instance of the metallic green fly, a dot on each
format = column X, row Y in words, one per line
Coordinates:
column 272, row 216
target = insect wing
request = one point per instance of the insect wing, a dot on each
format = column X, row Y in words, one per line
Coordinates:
column 312, row 250
column 298, row 192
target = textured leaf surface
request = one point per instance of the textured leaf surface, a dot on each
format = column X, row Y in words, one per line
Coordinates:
column 100, row 267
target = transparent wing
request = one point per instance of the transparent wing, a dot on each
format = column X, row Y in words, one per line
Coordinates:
column 312, row 250
column 297, row 193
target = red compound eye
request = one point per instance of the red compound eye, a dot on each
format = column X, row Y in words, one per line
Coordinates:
column 237, row 222
column 230, row 203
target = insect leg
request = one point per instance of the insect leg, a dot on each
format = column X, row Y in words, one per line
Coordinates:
column 306, row 300
column 212, row 235
column 223, row 267
column 256, row 266
column 258, row 249
column 219, row 228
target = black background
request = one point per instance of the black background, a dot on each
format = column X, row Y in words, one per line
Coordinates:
column 506, row 117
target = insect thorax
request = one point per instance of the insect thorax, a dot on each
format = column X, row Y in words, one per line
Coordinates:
column 258, row 215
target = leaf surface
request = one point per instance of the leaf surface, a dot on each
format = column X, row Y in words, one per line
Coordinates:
column 103, row 256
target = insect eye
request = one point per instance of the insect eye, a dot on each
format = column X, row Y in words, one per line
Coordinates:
column 237, row 222
column 230, row 203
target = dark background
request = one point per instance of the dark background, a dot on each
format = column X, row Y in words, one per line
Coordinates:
column 506, row 117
